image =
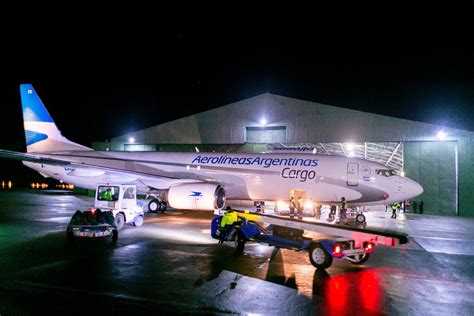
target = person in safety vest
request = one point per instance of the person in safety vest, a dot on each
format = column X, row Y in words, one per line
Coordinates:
column 228, row 219
column 343, row 211
column 107, row 195
column 395, row 207
column 292, row 206
column 300, row 207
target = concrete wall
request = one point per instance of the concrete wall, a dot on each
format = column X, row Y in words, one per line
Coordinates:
column 309, row 122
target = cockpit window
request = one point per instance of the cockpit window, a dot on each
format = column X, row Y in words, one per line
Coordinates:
column 386, row 172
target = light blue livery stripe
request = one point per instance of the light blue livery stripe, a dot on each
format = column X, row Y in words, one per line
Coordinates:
column 33, row 108
column 34, row 137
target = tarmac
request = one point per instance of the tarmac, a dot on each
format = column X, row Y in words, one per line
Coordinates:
column 171, row 265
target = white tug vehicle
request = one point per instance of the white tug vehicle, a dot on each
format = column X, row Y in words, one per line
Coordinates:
column 121, row 200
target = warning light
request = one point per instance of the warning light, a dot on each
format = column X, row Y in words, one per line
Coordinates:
column 369, row 247
column 337, row 250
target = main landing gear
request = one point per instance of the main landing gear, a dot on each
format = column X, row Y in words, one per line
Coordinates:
column 155, row 206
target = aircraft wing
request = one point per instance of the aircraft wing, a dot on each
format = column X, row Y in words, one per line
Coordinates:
column 109, row 173
column 32, row 158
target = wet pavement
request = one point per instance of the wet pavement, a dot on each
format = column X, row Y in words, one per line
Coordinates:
column 171, row 265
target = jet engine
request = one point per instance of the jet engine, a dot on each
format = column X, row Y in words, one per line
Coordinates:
column 197, row 196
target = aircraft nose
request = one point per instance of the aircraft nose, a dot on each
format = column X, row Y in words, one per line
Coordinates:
column 415, row 188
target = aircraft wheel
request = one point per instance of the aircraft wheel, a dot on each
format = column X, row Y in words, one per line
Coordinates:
column 362, row 259
column 119, row 221
column 138, row 221
column 163, row 206
column 154, row 206
column 319, row 257
column 360, row 218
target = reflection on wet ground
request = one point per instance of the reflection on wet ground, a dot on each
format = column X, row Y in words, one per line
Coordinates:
column 172, row 265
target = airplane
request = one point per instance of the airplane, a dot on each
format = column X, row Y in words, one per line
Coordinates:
column 205, row 181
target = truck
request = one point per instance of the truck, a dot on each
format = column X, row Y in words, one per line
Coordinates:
column 121, row 200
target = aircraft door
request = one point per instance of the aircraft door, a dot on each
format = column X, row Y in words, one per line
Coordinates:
column 129, row 197
column 352, row 173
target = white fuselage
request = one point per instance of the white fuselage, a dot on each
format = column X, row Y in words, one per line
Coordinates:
column 258, row 177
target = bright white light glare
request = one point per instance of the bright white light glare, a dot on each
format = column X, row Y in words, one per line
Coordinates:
column 282, row 205
column 308, row 205
column 131, row 140
column 402, row 173
column 263, row 121
column 441, row 135
column 351, row 154
column 350, row 146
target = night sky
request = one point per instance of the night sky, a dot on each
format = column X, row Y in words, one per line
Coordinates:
column 113, row 78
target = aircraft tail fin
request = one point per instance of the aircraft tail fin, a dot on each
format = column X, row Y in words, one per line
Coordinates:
column 42, row 134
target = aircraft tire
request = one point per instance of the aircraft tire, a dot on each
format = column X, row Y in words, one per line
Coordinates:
column 319, row 257
column 360, row 218
column 154, row 206
column 163, row 206
column 119, row 221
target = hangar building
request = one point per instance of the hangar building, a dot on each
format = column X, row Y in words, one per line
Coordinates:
column 443, row 163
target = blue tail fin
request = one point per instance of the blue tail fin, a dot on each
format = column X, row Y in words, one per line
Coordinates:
column 33, row 109
column 42, row 134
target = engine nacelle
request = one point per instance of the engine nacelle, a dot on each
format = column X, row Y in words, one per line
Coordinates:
column 193, row 196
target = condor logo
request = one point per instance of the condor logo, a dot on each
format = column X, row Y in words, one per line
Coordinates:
column 195, row 193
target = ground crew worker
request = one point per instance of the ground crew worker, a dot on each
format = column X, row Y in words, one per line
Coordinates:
column 317, row 213
column 107, row 195
column 415, row 206
column 343, row 211
column 300, row 206
column 292, row 206
column 332, row 213
column 395, row 207
column 406, row 207
column 228, row 219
